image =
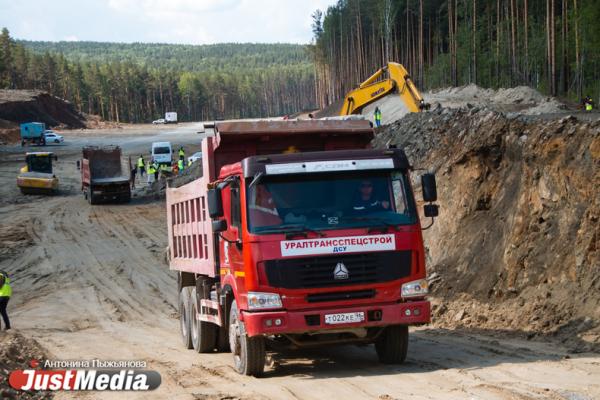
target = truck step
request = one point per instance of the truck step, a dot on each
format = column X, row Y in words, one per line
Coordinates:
column 210, row 311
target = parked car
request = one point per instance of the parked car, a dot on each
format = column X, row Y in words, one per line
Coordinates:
column 159, row 121
column 53, row 137
column 195, row 157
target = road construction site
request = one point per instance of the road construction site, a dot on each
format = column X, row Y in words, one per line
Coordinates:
column 92, row 282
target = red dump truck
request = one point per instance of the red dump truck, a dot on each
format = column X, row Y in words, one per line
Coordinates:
column 297, row 234
column 102, row 177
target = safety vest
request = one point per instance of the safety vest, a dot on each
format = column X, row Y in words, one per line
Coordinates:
column 6, row 290
column 151, row 169
column 180, row 165
column 588, row 107
column 378, row 115
column 181, row 153
column 141, row 162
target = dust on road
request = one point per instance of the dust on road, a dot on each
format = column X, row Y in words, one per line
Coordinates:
column 90, row 282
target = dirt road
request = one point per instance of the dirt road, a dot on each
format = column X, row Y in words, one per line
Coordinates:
column 90, row 282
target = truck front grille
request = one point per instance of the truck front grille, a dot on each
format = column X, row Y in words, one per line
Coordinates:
column 336, row 296
column 338, row 270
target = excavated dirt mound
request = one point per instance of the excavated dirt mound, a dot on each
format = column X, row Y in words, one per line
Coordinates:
column 520, row 99
column 21, row 106
column 517, row 243
column 16, row 352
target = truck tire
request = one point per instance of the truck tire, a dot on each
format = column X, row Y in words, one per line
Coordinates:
column 184, row 316
column 223, row 331
column 248, row 352
column 204, row 334
column 223, row 339
column 392, row 344
column 90, row 195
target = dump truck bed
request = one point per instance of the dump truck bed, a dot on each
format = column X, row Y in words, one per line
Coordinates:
column 102, row 175
column 191, row 238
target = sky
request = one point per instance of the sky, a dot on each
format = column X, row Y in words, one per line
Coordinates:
column 162, row 21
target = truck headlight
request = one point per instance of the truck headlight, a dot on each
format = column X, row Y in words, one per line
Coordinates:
column 415, row 288
column 261, row 301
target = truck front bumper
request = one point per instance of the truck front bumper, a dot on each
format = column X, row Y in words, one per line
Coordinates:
column 279, row 322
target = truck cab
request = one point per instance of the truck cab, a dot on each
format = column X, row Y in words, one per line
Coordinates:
column 309, row 248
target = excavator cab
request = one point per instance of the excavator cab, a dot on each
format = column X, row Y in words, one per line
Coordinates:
column 37, row 176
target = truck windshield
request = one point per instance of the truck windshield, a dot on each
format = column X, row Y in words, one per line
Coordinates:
column 329, row 201
column 162, row 150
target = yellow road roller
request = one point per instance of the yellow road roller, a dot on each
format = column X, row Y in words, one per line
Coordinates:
column 37, row 176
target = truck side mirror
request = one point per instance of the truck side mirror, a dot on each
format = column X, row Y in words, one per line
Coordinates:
column 219, row 225
column 429, row 187
column 431, row 210
column 215, row 203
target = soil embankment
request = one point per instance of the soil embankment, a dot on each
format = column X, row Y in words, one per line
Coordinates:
column 517, row 243
column 19, row 106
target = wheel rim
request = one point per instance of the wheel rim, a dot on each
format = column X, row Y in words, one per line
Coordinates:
column 194, row 323
column 182, row 320
column 234, row 339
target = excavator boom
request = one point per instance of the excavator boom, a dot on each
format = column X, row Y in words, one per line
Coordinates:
column 371, row 89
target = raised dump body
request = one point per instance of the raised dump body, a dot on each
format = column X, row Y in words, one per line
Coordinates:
column 102, row 177
column 297, row 233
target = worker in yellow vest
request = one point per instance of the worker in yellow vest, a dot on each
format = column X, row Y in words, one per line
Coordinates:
column 181, row 153
column 5, row 293
column 141, row 165
column 150, row 173
column 377, row 117
column 180, row 165
column 588, row 102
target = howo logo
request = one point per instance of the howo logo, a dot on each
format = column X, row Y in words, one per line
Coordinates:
column 340, row 271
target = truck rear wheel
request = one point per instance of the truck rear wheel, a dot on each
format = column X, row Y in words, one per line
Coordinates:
column 204, row 334
column 90, row 195
column 184, row 316
column 248, row 352
column 392, row 344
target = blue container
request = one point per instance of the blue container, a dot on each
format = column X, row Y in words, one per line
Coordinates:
column 32, row 130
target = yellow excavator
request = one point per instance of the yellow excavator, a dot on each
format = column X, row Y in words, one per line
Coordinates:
column 372, row 89
column 37, row 176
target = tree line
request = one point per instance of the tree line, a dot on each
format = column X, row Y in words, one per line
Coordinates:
column 552, row 45
column 140, row 82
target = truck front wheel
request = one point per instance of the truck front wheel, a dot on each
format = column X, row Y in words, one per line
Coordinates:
column 248, row 352
column 184, row 316
column 392, row 344
column 204, row 334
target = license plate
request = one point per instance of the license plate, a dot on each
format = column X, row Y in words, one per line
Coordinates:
column 345, row 318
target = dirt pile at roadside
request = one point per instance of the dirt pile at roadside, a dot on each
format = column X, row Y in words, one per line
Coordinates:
column 19, row 106
column 522, row 99
column 517, row 243
column 16, row 352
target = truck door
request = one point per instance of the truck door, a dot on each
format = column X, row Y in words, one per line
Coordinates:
column 232, row 247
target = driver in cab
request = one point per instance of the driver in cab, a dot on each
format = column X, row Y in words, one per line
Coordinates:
column 366, row 201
